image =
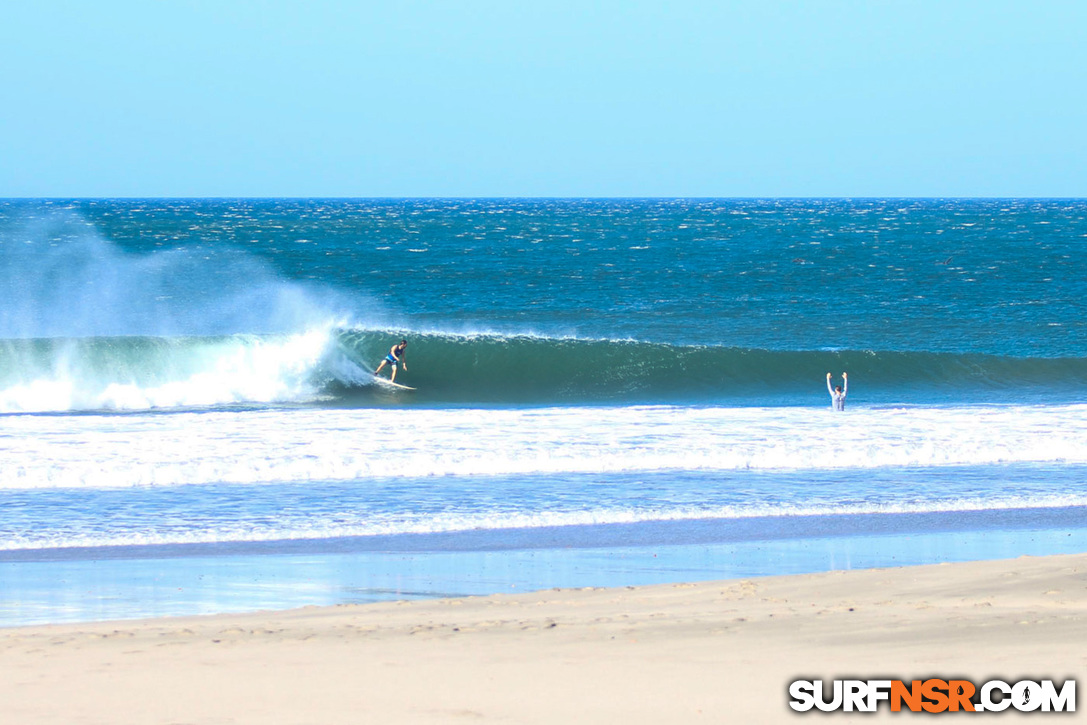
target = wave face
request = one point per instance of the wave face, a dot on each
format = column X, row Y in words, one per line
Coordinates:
column 327, row 366
column 529, row 369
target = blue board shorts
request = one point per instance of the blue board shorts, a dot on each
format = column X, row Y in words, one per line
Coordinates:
column 391, row 359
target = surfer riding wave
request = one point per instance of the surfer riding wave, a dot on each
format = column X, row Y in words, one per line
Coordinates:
column 394, row 358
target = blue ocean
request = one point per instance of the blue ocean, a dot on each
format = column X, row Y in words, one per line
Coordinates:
column 605, row 392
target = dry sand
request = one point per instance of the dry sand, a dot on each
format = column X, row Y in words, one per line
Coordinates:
column 708, row 652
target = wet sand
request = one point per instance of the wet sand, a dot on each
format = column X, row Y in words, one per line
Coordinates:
column 721, row 651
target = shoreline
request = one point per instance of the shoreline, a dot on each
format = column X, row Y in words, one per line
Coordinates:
column 124, row 583
column 667, row 652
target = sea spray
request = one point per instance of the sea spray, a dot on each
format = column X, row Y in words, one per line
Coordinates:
column 60, row 278
column 86, row 325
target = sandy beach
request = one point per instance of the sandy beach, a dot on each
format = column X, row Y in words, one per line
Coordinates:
column 714, row 651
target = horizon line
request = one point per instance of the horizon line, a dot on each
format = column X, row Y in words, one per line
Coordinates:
column 546, row 198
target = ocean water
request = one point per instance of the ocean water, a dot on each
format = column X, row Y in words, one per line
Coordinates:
column 606, row 392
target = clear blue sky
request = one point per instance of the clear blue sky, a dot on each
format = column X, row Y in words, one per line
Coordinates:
column 509, row 98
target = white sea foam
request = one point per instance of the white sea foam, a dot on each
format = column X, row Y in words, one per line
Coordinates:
column 223, row 371
column 368, row 523
column 321, row 444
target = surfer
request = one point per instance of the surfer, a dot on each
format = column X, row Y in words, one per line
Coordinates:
column 394, row 358
column 837, row 393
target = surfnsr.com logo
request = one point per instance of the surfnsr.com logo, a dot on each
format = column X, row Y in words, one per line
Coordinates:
column 933, row 695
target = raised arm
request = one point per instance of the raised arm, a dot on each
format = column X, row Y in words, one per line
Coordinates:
column 830, row 388
column 845, row 384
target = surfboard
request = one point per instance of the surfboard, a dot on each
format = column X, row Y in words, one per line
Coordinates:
column 390, row 383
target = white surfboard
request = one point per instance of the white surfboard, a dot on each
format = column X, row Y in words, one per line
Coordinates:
column 390, row 383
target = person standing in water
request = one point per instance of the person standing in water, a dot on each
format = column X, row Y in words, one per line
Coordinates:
column 394, row 358
column 838, row 392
